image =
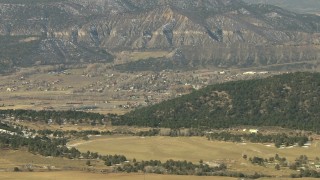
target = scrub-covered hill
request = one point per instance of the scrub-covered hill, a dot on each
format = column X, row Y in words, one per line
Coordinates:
column 289, row 100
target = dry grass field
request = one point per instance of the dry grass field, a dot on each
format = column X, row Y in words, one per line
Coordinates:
column 59, row 100
column 86, row 176
column 128, row 56
column 187, row 148
column 195, row 148
column 10, row 159
column 42, row 90
column 19, row 158
column 145, row 55
column 70, row 175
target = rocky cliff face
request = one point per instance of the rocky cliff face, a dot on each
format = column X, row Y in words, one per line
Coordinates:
column 222, row 33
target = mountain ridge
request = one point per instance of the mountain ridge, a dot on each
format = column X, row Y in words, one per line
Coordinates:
column 220, row 33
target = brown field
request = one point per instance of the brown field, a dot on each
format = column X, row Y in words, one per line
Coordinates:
column 193, row 149
column 67, row 175
column 19, row 158
column 126, row 56
column 187, row 148
column 58, row 100
column 145, row 55
column 42, row 90
column 10, row 159
column 84, row 176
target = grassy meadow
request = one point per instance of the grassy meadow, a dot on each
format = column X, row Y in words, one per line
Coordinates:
column 196, row 148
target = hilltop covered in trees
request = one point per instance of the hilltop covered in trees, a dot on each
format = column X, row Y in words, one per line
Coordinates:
column 288, row 100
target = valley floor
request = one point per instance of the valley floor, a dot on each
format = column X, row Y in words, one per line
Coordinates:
column 152, row 148
column 195, row 148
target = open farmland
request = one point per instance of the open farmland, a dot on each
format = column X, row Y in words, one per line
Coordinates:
column 193, row 149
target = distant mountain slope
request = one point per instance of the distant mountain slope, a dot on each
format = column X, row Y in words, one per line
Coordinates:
column 218, row 33
column 289, row 100
column 305, row 6
column 22, row 51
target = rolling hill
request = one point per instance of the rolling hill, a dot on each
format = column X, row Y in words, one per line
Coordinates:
column 289, row 100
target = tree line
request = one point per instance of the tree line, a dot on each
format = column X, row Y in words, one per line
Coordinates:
column 277, row 139
column 58, row 117
column 39, row 145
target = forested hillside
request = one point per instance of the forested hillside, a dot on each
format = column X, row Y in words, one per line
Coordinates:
column 289, row 100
